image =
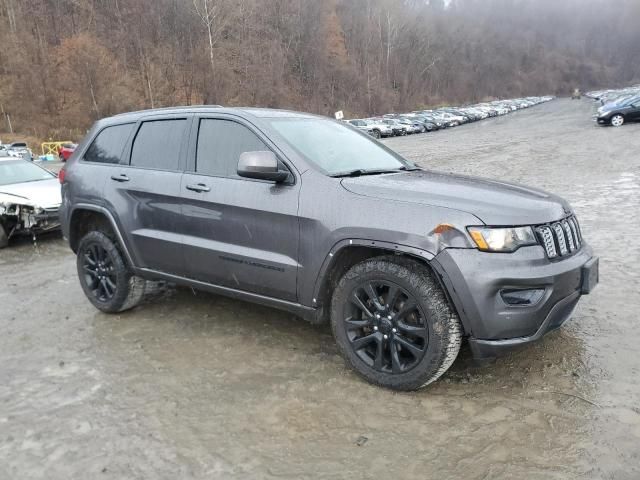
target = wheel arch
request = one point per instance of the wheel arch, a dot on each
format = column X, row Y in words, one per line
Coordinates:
column 85, row 218
column 348, row 253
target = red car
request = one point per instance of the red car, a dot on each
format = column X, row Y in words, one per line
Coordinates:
column 65, row 151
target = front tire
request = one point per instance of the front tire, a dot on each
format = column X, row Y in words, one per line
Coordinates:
column 393, row 325
column 377, row 134
column 617, row 120
column 104, row 276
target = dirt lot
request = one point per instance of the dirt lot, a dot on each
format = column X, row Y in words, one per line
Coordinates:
column 199, row 386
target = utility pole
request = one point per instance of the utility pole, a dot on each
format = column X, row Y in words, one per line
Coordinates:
column 7, row 118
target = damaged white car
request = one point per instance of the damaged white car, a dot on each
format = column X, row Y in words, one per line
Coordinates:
column 29, row 199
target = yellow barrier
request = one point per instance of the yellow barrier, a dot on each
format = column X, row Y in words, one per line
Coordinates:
column 52, row 148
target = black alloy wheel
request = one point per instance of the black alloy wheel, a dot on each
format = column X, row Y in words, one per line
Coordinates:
column 99, row 272
column 393, row 324
column 104, row 276
column 385, row 327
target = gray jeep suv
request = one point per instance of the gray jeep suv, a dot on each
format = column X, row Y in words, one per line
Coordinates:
column 312, row 216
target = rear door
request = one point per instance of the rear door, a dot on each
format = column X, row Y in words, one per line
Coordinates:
column 144, row 192
column 238, row 232
column 87, row 176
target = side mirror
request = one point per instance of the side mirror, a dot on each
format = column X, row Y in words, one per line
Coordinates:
column 261, row 166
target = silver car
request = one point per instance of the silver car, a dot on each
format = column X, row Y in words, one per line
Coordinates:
column 19, row 150
column 29, row 199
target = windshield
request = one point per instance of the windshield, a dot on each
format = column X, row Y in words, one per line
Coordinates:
column 21, row 171
column 336, row 148
column 628, row 101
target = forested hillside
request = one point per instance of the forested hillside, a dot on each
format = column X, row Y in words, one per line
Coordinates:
column 64, row 63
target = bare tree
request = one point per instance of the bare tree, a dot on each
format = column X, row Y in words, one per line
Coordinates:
column 212, row 16
column 361, row 56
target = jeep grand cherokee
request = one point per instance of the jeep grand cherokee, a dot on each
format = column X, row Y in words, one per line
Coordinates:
column 312, row 216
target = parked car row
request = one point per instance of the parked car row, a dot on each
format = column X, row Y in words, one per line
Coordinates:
column 16, row 150
column 617, row 107
column 607, row 96
column 422, row 121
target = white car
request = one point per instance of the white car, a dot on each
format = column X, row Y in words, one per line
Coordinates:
column 378, row 128
column 29, row 199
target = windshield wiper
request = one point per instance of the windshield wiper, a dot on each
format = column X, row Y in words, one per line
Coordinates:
column 361, row 171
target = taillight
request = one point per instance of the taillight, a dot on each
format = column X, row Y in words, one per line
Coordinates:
column 61, row 175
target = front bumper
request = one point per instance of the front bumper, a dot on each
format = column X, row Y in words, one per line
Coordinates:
column 475, row 280
column 46, row 221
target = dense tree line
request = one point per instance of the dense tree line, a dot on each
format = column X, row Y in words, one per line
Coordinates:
column 64, row 63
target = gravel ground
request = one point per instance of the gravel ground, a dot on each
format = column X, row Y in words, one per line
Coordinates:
column 193, row 385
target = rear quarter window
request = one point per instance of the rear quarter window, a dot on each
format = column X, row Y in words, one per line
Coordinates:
column 107, row 147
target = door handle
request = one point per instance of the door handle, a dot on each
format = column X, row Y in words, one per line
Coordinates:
column 120, row 178
column 200, row 187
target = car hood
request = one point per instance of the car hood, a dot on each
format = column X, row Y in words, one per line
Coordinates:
column 493, row 202
column 42, row 193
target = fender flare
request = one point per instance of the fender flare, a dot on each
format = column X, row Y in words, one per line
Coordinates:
column 360, row 242
column 112, row 221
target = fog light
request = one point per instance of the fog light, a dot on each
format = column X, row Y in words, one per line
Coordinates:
column 522, row 297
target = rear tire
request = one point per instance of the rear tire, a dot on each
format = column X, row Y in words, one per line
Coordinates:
column 104, row 276
column 393, row 325
column 617, row 120
column 377, row 134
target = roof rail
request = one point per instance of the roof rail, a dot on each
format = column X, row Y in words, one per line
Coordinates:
column 178, row 107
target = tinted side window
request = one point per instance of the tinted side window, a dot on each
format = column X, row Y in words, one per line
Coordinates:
column 157, row 144
column 108, row 145
column 220, row 143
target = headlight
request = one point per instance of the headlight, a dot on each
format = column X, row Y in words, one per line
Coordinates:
column 501, row 239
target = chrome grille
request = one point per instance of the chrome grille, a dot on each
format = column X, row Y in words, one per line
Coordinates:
column 557, row 228
column 569, row 236
column 560, row 239
column 548, row 241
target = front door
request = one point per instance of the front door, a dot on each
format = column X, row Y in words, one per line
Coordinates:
column 238, row 233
